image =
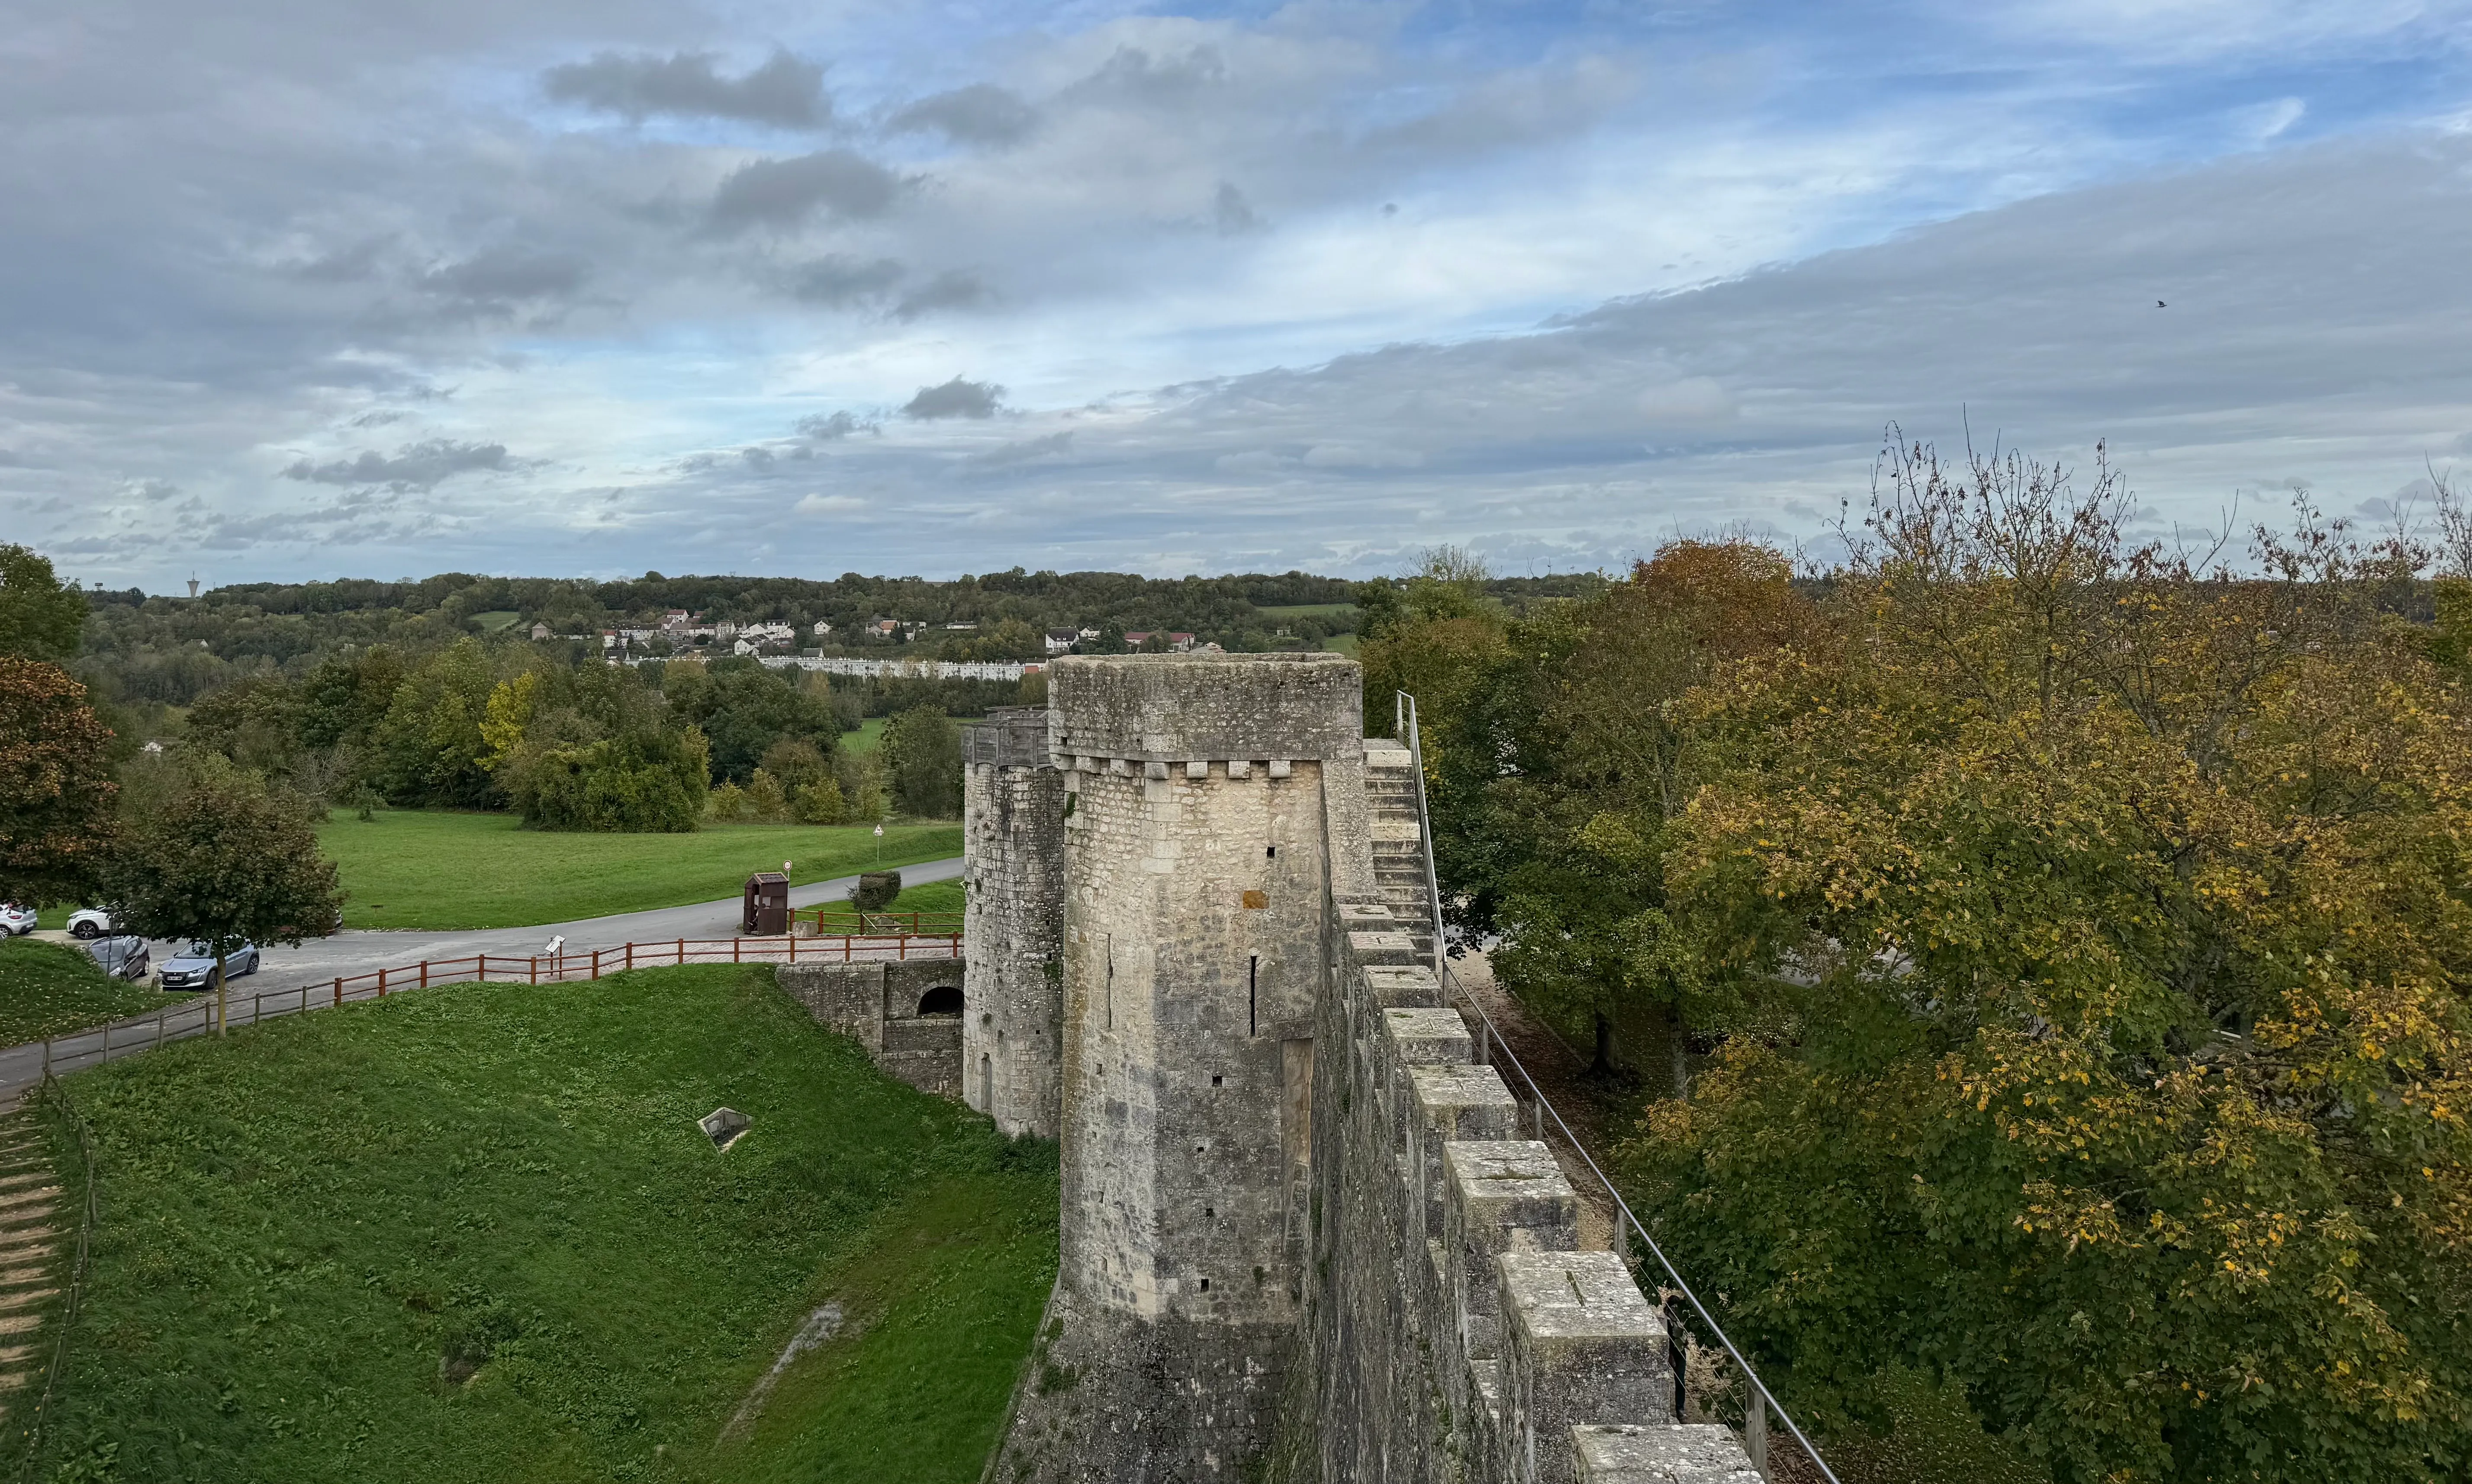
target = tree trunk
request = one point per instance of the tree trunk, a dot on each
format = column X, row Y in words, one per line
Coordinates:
column 1678, row 1043
column 223, row 985
column 1603, row 1065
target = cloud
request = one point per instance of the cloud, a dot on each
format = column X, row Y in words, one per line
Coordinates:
column 1361, row 456
column 838, row 279
column 982, row 113
column 828, row 505
column 832, row 427
column 955, row 398
column 952, row 288
column 1231, row 214
column 500, row 279
column 784, row 192
column 1049, row 448
column 785, row 91
column 1687, row 403
column 415, row 466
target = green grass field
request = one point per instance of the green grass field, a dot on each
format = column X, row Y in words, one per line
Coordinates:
column 421, row 869
column 474, row 1233
column 1290, row 612
column 49, row 989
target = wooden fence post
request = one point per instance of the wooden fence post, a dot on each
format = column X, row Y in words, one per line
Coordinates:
column 630, row 955
column 424, row 974
column 596, row 963
column 536, row 969
column 683, row 953
column 733, row 949
column 338, row 989
column 381, row 983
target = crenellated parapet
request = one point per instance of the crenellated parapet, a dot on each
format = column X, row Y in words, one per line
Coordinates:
column 1454, row 1329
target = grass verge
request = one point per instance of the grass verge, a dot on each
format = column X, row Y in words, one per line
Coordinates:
column 49, row 989
column 409, row 868
column 474, row 1233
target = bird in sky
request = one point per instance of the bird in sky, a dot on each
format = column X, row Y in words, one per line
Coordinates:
column 2159, row 304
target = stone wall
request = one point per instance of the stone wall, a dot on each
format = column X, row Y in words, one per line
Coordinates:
column 878, row 1003
column 1302, row 1236
column 1453, row 1330
column 1012, row 844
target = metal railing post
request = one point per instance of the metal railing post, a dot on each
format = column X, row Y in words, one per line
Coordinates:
column 1756, row 1430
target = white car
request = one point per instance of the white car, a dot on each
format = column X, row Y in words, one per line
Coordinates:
column 90, row 922
column 14, row 920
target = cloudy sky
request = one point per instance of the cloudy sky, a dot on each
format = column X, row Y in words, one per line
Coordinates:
column 387, row 287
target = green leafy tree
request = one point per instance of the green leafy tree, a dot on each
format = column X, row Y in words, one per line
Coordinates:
column 922, row 751
column 641, row 781
column 2100, row 948
column 56, row 785
column 222, row 860
column 40, row 617
column 431, row 737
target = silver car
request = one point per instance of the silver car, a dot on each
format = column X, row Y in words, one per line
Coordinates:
column 194, row 967
column 15, row 919
column 122, row 957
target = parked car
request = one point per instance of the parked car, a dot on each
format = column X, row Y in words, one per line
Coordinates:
column 14, row 920
column 121, row 957
column 194, row 967
column 90, row 922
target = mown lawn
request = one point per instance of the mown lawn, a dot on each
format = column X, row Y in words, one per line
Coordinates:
column 408, row 868
column 474, row 1233
column 49, row 989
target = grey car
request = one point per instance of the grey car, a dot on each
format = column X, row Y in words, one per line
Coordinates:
column 122, row 957
column 194, row 967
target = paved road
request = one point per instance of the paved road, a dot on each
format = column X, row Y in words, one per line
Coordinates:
column 364, row 951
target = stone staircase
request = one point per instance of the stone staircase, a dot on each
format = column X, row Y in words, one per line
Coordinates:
column 1398, row 838
column 29, row 1196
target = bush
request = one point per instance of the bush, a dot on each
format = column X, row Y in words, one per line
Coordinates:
column 651, row 784
column 821, row 803
column 727, row 802
column 766, row 799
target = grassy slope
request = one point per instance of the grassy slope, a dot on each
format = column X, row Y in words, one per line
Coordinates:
column 306, row 1227
column 47, row 989
column 419, row 869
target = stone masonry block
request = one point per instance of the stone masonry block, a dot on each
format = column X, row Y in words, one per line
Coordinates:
column 1402, row 986
column 1448, row 1103
column 1367, row 916
column 1388, row 948
column 1582, row 1348
column 1498, row 1196
column 1426, row 1038
column 1692, row 1453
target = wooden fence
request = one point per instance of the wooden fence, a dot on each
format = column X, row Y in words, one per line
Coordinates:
column 196, row 1016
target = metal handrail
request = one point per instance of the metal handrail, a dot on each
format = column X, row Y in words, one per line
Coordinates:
column 1405, row 712
column 1403, row 709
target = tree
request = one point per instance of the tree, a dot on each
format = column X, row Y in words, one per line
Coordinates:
column 2097, row 935
column 225, row 861
column 922, row 751
column 40, row 617
column 56, row 786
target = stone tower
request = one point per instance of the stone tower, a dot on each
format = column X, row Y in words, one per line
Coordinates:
column 1211, row 808
column 1012, row 846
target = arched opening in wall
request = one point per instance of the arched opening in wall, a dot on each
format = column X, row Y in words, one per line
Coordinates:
column 942, row 1000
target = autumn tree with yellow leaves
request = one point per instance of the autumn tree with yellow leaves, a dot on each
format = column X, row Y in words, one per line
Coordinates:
column 2094, row 925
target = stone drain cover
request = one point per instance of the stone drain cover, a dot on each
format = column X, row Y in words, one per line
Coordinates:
column 724, row 1125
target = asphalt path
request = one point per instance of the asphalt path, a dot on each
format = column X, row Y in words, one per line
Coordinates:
column 365, row 951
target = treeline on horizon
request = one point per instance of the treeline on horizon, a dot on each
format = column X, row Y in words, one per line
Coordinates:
column 142, row 650
column 2031, row 966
